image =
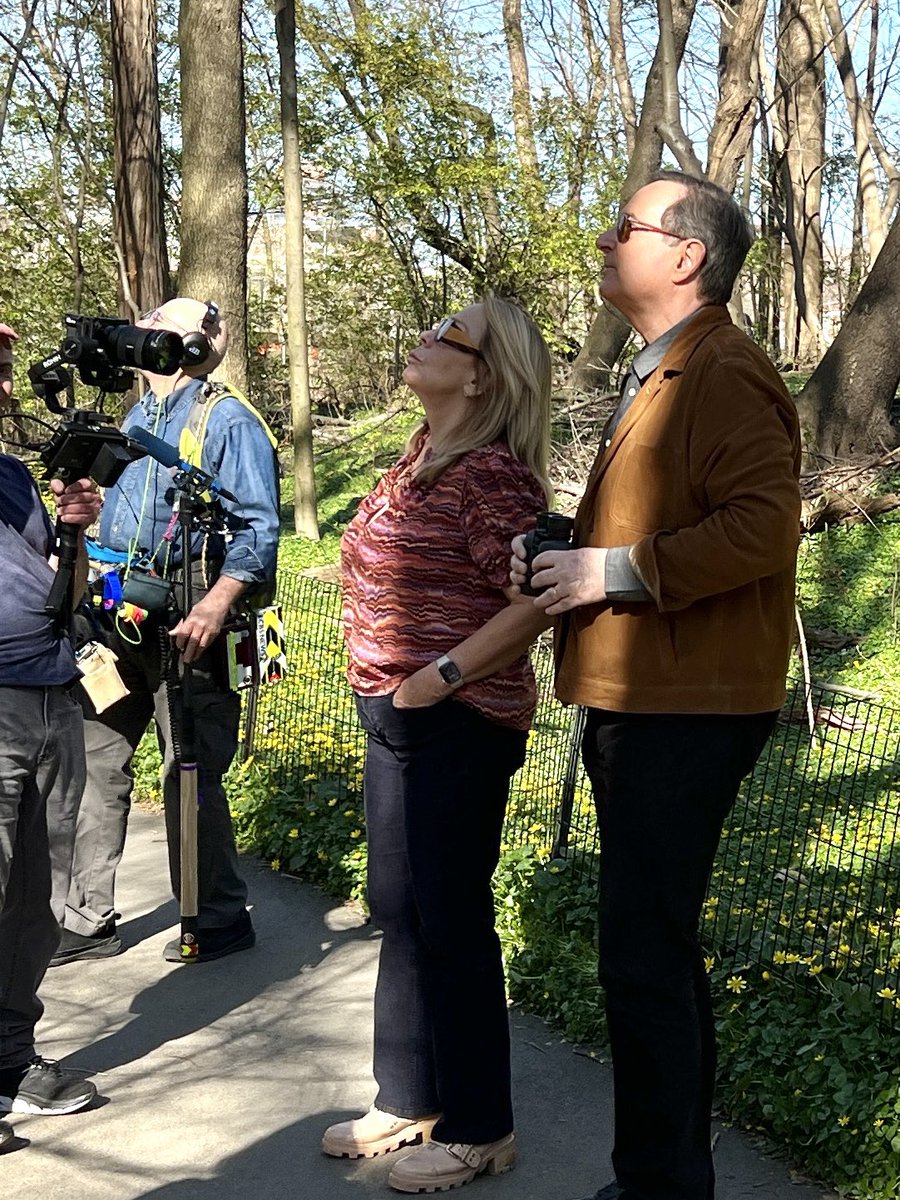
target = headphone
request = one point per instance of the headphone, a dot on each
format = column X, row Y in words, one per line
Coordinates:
column 197, row 346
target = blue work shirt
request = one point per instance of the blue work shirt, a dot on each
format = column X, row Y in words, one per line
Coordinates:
column 236, row 451
column 32, row 651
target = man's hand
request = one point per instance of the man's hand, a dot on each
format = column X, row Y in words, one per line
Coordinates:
column 569, row 578
column 77, row 503
column 199, row 629
column 421, row 689
column 518, row 571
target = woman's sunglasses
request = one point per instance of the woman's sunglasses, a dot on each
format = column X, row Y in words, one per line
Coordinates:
column 451, row 334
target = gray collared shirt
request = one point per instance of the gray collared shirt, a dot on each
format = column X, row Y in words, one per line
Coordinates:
column 622, row 580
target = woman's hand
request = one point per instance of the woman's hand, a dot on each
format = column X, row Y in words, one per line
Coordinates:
column 421, row 689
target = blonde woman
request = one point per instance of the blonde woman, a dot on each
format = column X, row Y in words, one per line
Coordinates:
column 444, row 689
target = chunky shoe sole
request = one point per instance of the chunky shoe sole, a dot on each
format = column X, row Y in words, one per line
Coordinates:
column 415, row 1134
column 496, row 1160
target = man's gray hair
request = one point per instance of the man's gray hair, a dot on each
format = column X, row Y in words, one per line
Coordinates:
column 710, row 214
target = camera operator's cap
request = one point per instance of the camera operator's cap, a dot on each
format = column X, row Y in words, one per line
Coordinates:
column 186, row 316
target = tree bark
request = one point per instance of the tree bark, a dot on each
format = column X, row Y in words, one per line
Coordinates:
column 139, row 225
column 305, row 518
column 609, row 332
column 729, row 138
column 844, row 408
column 801, row 99
column 523, row 126
column 214, row 172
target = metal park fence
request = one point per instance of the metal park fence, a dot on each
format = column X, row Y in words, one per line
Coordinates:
column 807, row 879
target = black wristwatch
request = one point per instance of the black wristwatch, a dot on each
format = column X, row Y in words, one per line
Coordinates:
column 450, row 672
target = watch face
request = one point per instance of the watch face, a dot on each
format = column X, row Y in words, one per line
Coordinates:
column 450, row 672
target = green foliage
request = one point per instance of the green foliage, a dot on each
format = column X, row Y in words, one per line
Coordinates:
column 817, row 1071
column 849, row 583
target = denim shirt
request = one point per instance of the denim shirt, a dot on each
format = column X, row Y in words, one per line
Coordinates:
column 236, row 451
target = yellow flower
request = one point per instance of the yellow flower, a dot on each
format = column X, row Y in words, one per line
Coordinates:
column 887, row 993
column 709, row 963
column 736, row 984
column 294, row 834
column 322, row 856
column 276, row 864
column 843, row 1120
column 877, row 1123
column 356, row 833
column 766, row 976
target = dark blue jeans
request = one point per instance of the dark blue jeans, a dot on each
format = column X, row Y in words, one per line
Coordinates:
column 663, row 785
column 436, row 786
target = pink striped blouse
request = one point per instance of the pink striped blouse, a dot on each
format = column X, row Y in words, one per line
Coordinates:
column 424, row 567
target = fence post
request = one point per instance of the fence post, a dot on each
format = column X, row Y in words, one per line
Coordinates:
column 567, row 801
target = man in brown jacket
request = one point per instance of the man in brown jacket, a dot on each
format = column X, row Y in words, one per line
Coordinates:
column 676, row 613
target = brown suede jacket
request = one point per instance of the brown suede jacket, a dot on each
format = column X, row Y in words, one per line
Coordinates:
column 701, row 478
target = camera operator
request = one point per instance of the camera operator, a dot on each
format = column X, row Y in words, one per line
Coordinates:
column 41, row 768
column 217, row 429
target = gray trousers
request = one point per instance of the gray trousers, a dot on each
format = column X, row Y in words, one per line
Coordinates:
column 111, row 739
column 41, row 774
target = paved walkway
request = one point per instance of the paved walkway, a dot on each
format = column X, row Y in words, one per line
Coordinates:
column 217, row 1080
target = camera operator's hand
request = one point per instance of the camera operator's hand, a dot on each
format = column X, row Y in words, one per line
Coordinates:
column 199, row 629
column 570, row 578
column 76, row 503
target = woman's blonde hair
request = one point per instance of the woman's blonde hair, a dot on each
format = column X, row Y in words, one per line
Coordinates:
column 513, row 381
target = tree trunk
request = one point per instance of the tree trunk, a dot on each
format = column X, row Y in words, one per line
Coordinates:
column 609, row 332
column 139, row 226
column 801, row 98
column 845, row 407
column 305, row 518
column 729, row 138
column 214, row 173
column 523, row 126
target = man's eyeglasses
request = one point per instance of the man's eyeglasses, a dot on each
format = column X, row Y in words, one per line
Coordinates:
column 627, row 225
column 452, row 334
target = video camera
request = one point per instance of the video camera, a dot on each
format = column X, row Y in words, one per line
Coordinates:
column 105, row 351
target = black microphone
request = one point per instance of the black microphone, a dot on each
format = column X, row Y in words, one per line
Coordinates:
column 167, row 454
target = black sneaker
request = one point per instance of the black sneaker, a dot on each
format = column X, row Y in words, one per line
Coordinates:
column 75, row 946
column 41, row 1087
column 216, row 943
column 7, row 1134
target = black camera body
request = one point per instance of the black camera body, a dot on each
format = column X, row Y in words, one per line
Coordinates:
column 552, row 532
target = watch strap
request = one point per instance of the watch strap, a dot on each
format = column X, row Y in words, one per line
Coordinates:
column 450, row 672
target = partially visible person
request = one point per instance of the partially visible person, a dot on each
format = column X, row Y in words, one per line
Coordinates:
column 444, row 690
column 7, row 336
column 676, row 615
column 218, row 430
column 41, row 766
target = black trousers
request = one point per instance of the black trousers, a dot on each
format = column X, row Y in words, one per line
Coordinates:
column 663, row 785
column 436, row 784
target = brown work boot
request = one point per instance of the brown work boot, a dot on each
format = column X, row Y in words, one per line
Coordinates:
column 376, row 1133
column 440, row 1166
